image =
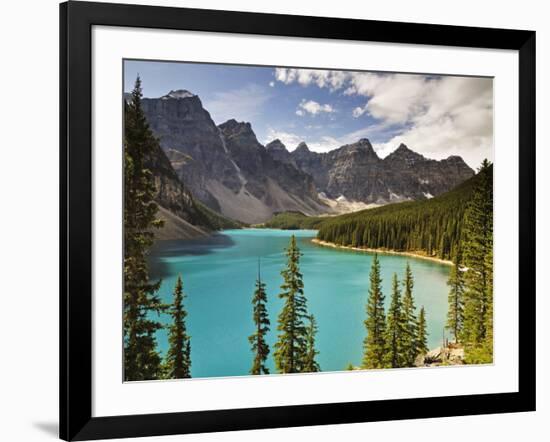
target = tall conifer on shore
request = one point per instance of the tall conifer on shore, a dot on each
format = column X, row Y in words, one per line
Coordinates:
column 310, row 364
column 478, row 244
column 422, row 341
column 488, row 344
column 374, row 345
column 291, row 346
column 141, row 358
column 260, row 348
column 395, row 329
column 410, row 338
column 178, row 357
column 455, row 314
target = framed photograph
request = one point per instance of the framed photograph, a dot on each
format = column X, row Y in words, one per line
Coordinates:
column 272, row 221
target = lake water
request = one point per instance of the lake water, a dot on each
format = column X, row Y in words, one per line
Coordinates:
column 219, row 275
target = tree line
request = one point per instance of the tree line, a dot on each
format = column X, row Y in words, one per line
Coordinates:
column 433, row 226
column 470, row 313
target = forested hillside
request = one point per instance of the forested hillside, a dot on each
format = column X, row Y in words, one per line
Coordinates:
column 432, row 226
column 293, row 221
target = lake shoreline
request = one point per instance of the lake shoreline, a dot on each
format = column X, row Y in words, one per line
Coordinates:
column 380, row 251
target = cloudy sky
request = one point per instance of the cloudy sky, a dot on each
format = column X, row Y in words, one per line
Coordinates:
column 433, row 115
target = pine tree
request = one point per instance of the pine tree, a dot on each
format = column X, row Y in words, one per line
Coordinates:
column 374, row 345
column 488, row 344
column 310, row 363
column 395, row 329
column 291, row 346
column 410, row 337
column 187, row 355
column 422, row 342
column 178, row 361
column 141, row 359
column 478, row 243
column 260, row 348
column 455, row 314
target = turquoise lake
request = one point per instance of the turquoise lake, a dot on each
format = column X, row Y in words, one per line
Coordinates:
column 219, row 275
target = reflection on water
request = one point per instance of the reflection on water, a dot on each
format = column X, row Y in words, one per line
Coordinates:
column 162, row 251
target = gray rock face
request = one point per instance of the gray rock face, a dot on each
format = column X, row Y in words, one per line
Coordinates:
column 280, row 185
column 226, row 167
column 417, row 177
column 172, row 196
column 185, row 127
column 278, row 151
column 356, row 172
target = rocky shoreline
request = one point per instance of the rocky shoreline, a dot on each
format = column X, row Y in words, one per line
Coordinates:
column 380, row 251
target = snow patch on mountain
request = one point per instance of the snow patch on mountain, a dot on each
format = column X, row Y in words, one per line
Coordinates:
column 178, row 94
column 343, row 205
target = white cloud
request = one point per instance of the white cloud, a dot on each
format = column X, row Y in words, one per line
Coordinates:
column 392, row 98
column 440, row 116
column 322, row 78
column 457, row 119
column 271, row 84
column 290, row 140
column 313, row 108
column 358, row 111
column 241, row 104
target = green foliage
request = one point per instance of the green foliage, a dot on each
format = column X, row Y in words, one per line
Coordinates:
column 178, row 357
column 141, row 359
column 422, row 341
column 310, row 363
column 410, row 339
column 374, row 346
column 293, row 221
column 488, row 341
column 455, row 314
column 260, row 348
column 432, row 227
column 395, row 329
column 291, row 346
column 478, row 245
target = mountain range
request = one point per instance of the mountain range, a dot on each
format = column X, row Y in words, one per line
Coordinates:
column 228, row 170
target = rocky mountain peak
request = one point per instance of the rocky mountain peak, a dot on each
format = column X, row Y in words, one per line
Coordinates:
column 403, row 148
column 302, row 147
column 364, row 142
column 279, row 152
column 455, row 159
column 276, row 145
column 178, row 94
column 361, row 147
column 241, row 132
column 234, row 127
column 403, row 153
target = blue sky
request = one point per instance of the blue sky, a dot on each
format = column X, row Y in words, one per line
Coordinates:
column 435, row 116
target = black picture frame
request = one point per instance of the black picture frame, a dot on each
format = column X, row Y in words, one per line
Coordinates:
column 76, row 21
